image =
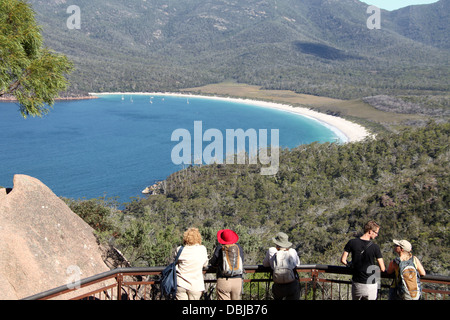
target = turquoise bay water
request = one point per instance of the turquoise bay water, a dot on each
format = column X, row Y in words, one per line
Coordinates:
column 115, row 148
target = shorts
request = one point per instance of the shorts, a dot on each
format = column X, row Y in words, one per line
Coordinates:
column 364, row 291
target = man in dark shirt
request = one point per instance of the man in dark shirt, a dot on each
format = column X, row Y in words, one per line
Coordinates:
column 365, row 255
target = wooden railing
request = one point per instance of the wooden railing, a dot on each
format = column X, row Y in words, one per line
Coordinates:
column 318, row 282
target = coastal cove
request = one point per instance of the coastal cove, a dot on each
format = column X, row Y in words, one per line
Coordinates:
column 346, row 130
column 120, row 143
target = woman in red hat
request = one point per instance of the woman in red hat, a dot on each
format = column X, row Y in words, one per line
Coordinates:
column 228, row 257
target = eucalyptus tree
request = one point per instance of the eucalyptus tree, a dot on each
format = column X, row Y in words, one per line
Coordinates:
column 30, row 72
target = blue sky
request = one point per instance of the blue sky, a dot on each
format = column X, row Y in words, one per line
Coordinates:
column 396, row 4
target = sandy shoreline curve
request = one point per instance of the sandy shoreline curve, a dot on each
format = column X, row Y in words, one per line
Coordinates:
column 346, row 130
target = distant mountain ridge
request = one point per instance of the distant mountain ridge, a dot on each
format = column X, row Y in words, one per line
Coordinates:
column 427, row 24
column 311, row 46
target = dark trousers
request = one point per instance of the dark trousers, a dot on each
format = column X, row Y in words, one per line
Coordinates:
column 288, row 291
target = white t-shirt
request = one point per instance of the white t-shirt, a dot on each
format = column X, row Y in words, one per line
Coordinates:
column 190, row 267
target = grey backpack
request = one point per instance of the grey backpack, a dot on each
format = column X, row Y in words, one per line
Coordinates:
column 283, row 268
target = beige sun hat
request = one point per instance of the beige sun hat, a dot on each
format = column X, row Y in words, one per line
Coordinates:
column 404, row 244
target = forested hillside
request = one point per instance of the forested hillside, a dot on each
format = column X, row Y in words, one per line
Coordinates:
column 321, row 196
column 319, row 47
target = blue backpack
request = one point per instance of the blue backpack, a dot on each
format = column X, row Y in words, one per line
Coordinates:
column 168, row 280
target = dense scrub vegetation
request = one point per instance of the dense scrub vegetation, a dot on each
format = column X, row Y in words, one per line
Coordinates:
column 426, row 105
column 321, row 196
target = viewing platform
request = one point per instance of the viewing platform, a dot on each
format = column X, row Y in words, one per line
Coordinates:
column 318, row 282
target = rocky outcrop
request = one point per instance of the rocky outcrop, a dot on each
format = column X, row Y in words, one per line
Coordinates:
column 42, row 242
column 156, row 188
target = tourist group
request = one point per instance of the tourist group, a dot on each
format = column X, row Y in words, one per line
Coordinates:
column 228, row 259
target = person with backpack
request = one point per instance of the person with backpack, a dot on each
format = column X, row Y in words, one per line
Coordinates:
column 364, row 254
column 189, row 267
column 228, row 257
column 283, row 260
column 408, row 269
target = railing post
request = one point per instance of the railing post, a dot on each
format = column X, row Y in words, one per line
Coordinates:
column 314, row 276
column 119, row 279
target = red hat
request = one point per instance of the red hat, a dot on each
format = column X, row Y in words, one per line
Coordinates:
column 227, row 236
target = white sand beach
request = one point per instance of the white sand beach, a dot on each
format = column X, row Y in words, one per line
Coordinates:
column 346, row 130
